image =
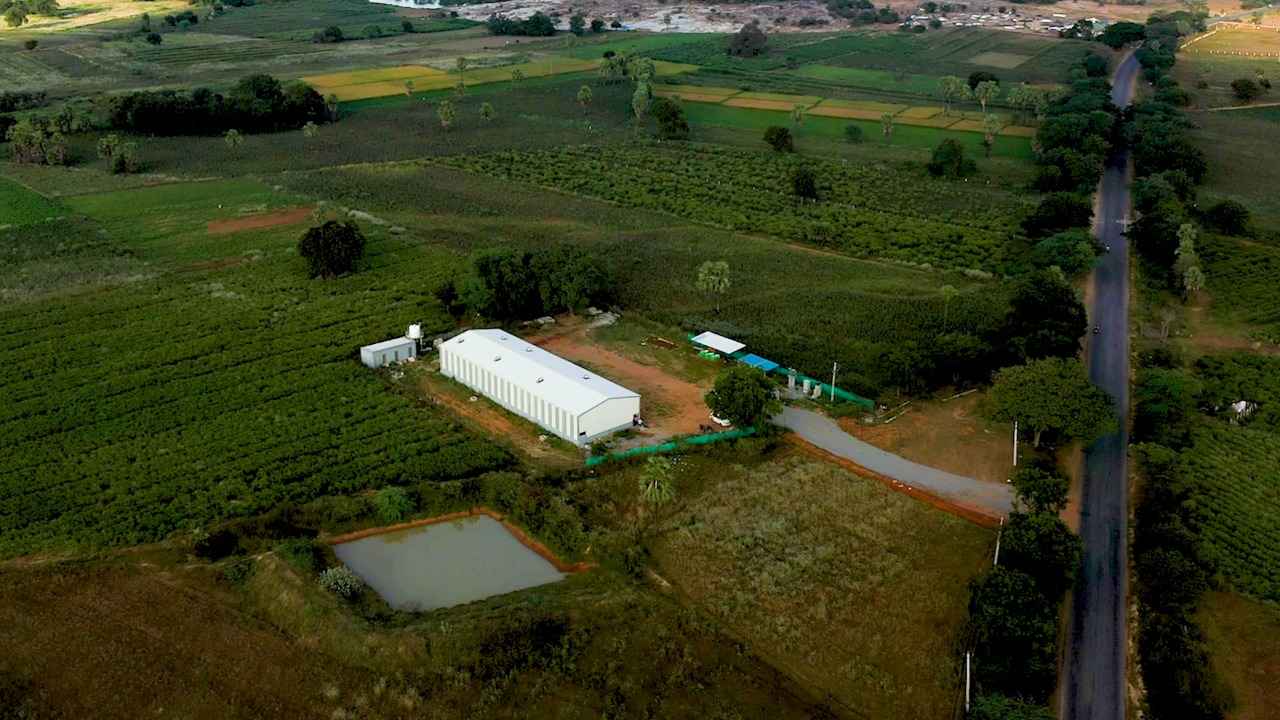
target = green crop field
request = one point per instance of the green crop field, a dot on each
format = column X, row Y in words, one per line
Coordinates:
column 1241, row 276
column 20, row 206
column 867, row 212
column 1237, row 468
column 795, row 305
column 286, row 19
column 226, row 385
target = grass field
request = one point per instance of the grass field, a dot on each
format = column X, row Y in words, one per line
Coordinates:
column 1244, row 642
column 84, row 13
column 20, row 206
column 831, row 574
column 1260, row 42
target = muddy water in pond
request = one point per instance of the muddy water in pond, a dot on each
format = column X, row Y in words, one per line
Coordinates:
column 446, row 564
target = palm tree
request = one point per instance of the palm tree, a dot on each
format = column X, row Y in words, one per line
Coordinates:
column 462, row 70
column 949, row 293
column 985, row 92
column 233, row 139
column 797, row 115
column 408, row 88
column 886, row 126
column 584, row 97
column 446, row 113
column 516, row 76
column 310, row 130
column 331, row 104
column 486, row 112
column 658, row 481
column 713, row 278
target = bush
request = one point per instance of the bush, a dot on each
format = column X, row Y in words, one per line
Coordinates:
column 331, row 249
column 238, row 571
column 779, row 138
column 804, row 183
column 300, row 553
column 672, row 123
column 392, row 505
column 1057, row 212
column 217, row 545
column 949, row 161
column 30, row 44
column 853, row 134
column 341, row 582
column 1228, row 217
column 331, row 34
column 1246, row 89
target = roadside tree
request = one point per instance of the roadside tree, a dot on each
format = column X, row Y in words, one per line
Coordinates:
column 744, row 396
column 1052, row 395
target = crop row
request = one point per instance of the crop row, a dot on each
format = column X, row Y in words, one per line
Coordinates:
column 1238, row 469
column 866, row 210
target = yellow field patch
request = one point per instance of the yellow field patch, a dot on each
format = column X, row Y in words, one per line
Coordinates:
column 85, row 13
column 364, row 91
column 1007, row 61
column 780, row 97
column 937, row 121
column 847, row 113
column 970, row 125
column 359, row 77
column 868, row 105
column 697, row 90
column 1019, row 131
column 760, row 104
column 662, row 67
column 691, row 96
column 919, row 113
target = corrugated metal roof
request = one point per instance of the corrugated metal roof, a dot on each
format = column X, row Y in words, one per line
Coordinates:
column 758, row 362
column 539, row 372
column 387, row 344
column 719, row 342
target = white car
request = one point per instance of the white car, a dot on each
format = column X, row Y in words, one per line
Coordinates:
column 720, row 421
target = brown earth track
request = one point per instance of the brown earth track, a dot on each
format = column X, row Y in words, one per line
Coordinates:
column 286, row 216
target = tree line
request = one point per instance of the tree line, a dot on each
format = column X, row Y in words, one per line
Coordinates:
column 256, row 104
column 507, row 285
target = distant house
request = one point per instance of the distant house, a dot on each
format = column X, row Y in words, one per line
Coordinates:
column 569, row 401
column 388, row 352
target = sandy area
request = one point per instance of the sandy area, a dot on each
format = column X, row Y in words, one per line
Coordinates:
column 82, row 13
column 950, row 436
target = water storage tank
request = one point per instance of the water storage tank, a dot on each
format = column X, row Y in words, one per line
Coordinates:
column 415, row 332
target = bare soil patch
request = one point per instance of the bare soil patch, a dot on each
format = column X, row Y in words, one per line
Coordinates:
column 287, row 216
column 670, row 405
column 132, row 641
column 950, row 436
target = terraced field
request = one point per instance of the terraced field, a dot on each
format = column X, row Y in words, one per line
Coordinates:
column 384, row 82
column 919, row 115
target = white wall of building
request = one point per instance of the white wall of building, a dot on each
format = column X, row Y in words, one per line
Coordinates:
column 566, row 400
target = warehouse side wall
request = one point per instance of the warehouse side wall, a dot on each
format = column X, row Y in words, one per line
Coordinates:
column 609, row 416
column 511, row 397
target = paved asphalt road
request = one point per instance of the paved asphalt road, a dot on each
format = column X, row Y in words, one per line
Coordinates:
column 992, row 498
column 1094, row 687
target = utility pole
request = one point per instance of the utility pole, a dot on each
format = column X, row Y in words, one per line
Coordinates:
column 834, row 366
column 1015, row 443
column 966, row 681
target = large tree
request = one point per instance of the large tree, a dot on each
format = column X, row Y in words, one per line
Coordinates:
column 1053, row 395
column 1016, row 630
column 744, row 396
column 1040, row 490
column 332, row 249
column 750, row 41
column 1046, row 318
column 1042, row 546
column 16, row 12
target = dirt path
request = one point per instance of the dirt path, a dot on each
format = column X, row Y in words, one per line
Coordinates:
column 670, row 405
column 287, row 216
column 495, row 421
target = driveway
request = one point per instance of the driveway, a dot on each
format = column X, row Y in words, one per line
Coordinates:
column 989, row 498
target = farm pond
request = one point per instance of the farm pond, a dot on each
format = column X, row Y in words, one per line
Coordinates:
column 445, row 564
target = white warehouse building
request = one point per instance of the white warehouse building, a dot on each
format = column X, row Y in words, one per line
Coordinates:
column 568, row 400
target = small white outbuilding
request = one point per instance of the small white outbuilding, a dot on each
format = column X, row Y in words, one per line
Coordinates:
column 566, row 399
column 388, row 351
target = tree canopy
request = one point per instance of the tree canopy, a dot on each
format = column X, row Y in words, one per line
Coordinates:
column 1053, row 395
column 750, row 41
column 508, row 284
column 744, row 396
column 1046, row 318
column 332, row 249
